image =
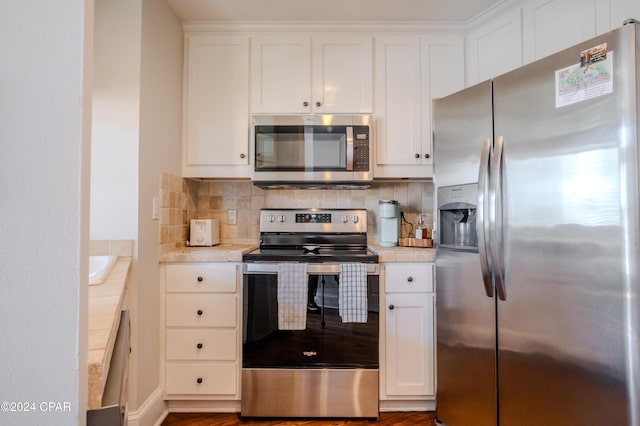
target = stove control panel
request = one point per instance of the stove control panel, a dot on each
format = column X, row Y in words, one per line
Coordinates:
column 313, row 220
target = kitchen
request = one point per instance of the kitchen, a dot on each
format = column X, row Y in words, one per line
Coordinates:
column 159, row 47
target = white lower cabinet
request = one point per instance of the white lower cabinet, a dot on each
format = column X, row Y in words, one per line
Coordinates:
column 201, row 331
column 409, row 344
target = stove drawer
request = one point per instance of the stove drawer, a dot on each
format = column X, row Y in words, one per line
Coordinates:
column 408, row 277
column 199, row 344
column 201, row 310
column 215, row 277
column 201, row 378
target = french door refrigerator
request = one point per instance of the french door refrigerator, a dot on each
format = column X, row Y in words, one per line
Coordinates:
column 536, row 177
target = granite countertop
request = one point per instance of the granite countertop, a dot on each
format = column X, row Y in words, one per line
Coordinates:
column 230, row 252
column 105, row 303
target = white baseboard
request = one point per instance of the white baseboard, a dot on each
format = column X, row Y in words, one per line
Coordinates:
column 407, row 405
column 151, row 413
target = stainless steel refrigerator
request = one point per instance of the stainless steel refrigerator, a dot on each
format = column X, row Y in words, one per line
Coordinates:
column 536, row 176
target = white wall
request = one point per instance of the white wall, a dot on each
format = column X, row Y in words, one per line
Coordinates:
column 116, row 120
column 44, row 177
column 160, row 142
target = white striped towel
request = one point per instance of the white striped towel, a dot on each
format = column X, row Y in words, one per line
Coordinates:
column 352, row 293
column 292, row 296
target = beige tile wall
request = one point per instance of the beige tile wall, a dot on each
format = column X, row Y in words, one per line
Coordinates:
column 186, row 199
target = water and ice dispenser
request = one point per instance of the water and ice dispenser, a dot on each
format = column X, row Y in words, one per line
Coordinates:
column 457, row 207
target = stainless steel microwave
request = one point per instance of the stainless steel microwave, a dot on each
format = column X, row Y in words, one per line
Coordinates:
column 311, row 151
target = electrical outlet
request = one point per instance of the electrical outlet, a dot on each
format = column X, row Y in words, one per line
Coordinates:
column 232, row 217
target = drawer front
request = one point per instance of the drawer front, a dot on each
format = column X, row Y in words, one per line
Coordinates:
column 409, row 277
column 201, row 310
column 201, row 378
column 201, row 344
column 204, row 277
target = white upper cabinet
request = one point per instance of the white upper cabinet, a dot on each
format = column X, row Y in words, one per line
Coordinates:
column 622, row 10
column 411, row 71
column 495, row 47
column 298, row 73
column 552, row 25
column 216, row 106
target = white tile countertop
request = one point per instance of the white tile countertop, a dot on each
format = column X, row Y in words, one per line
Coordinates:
column 105, row 303
column 229, row 252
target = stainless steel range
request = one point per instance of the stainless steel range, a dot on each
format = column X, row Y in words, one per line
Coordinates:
column 310, row 317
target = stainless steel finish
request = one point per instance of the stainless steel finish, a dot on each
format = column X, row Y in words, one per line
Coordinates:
column 483, row 224
column 314, row 179
column 349, row 148
column 342, row 220
column 312, row 268
column 564, row 240
column 296, row 393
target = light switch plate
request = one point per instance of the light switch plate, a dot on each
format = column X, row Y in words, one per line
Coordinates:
column 232, row 217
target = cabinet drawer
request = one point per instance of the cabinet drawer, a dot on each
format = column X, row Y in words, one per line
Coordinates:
column 201, row 378
column 409, row 277
column 201, row 310
column 201, row 344
column 214, row 277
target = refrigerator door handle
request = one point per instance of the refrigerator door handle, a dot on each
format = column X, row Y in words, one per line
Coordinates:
column 495, row 230
column 482, row 224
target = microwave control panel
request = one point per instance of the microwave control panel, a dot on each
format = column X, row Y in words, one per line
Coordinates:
column 361, row 148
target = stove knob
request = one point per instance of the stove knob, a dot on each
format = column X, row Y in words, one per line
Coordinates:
column 344, row 219
column 355, row 219
column 271, row 218
column 281, row 219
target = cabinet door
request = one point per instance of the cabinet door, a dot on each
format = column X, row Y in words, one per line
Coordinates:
column 409, row 344
column 216, row 106
column 552, row 25
column 398, row 104
column 495, row 48
column 442, row 65
column 281, row 74
column 342, row 74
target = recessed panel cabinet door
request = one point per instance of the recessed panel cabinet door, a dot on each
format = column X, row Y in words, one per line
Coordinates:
column 410, row 344
column 216, row 104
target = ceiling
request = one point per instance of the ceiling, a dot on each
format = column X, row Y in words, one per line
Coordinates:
column 331, row 10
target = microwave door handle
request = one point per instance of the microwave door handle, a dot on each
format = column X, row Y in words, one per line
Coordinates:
column 349, row 148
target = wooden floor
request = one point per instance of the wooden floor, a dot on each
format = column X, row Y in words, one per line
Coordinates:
column 386, row 419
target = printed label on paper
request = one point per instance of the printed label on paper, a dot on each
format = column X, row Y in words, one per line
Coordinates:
column 590, row 78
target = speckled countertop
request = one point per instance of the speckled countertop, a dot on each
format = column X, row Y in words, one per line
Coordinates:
column 229, row 252
column 105, row 303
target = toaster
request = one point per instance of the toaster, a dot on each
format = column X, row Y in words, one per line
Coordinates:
column 204, row 232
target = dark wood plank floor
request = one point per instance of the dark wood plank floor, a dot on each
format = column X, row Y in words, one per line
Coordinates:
column 386, row 419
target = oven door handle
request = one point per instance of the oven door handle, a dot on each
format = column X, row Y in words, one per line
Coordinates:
column 312, row 268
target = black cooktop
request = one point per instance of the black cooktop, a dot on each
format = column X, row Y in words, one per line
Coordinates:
column 317, row 255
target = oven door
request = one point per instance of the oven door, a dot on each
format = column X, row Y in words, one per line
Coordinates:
column 326, row 342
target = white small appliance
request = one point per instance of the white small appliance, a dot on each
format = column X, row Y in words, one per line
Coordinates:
column 389, row 229
column 204, row 232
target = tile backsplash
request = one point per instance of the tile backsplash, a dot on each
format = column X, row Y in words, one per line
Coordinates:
column 184, row 199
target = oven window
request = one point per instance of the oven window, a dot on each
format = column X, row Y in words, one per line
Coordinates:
column 326, row 341
column 301, row 148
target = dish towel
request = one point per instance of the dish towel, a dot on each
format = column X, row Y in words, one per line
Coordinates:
column 292, row 296
column 352, row 292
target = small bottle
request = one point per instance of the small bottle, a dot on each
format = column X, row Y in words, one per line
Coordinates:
column 420, row 229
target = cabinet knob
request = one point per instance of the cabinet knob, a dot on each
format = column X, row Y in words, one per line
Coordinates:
column 410, row 279
column 200, row 312
column 200, row 279
column 199, row 345
column 305, row 103
column 199, row 380
column 417, row 155
column 391, row 307
column 427, row 156
column 242, row 155
column 318, row 104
